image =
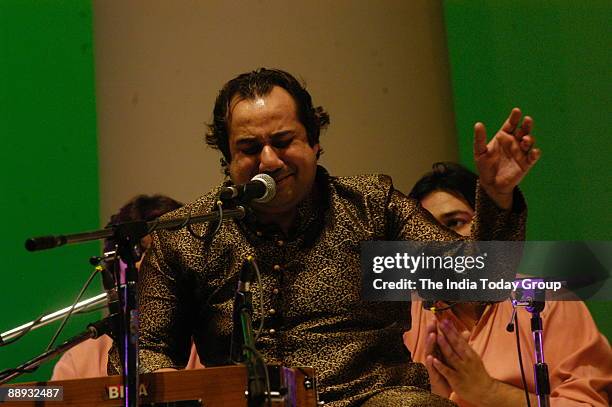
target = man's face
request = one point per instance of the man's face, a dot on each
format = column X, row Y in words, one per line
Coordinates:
column 451, row 210
column 265, row 136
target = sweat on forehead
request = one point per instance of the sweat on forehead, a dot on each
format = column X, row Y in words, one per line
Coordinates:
column 257, row 100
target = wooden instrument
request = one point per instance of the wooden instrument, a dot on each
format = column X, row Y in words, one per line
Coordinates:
column 216, row 386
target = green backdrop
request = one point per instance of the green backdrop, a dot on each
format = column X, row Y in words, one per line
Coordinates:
column 48, row 164
column 552, row 59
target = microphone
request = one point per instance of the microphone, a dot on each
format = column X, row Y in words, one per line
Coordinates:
column 45, row 242
column 261, row 188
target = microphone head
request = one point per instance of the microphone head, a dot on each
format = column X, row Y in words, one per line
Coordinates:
column 45, row 242
column 270, row 184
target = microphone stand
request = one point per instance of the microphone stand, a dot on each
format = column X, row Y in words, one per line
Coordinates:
column 94, row 331
column 84, row 305
column 540, row 368
column 52, row 241
column 534, row 302
column 242, row 347
column 127, row 339
column 128, row 235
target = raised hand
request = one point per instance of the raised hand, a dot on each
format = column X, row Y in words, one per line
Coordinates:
column 505, row 160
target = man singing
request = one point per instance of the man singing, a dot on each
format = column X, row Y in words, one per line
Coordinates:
column 306, row 242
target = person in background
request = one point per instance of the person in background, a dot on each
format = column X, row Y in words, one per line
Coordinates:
column 90, row 358
column 481, row 366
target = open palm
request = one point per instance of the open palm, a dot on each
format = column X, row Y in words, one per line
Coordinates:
column 505, row 160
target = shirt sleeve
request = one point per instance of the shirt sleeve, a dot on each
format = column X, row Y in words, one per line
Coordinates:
column 87, row 359
column 64, row 369
column 408, row 220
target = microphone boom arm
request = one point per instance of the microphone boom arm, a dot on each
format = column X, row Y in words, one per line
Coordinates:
column 53, row 316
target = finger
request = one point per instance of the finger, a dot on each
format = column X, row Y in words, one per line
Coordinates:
column 527, row 143
column 435, row 377
column 512, row 148
column 429, row 361
column 439, row 316
column 456, row 341
column 480, row 140
column 534, row 156
column 449, row 374
column 516, row 150
column 525, row 128
column 433, row 372
column 512, row 121
column 430, row 343
column 431, row 347
column 450, row 356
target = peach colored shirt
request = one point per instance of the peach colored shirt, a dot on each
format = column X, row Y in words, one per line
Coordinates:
column 578, row 356
column 90, row 358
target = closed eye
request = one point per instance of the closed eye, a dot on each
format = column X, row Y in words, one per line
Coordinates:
column 282, row 143
column 249, row 146
column 251, row 149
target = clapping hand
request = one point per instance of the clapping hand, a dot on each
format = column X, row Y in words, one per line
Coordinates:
column 459, row 367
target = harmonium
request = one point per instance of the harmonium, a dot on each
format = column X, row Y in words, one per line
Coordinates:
column 224, row 386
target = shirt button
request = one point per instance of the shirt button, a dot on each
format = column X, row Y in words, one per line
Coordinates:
column 272, row 311
column 275, row 291
column 276, row 267
column 280, row 243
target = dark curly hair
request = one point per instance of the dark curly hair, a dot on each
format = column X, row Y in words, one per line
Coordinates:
column 141, row 207
column 447, row 176
column 260, row 83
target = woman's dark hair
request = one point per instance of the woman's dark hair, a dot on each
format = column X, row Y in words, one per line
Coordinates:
column 450, row 177
column 260, row 83
column 141, row 207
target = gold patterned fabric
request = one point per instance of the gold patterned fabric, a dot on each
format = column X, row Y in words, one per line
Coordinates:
column 311, row 284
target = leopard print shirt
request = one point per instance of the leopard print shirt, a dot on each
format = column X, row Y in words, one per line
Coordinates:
column 310, row 284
